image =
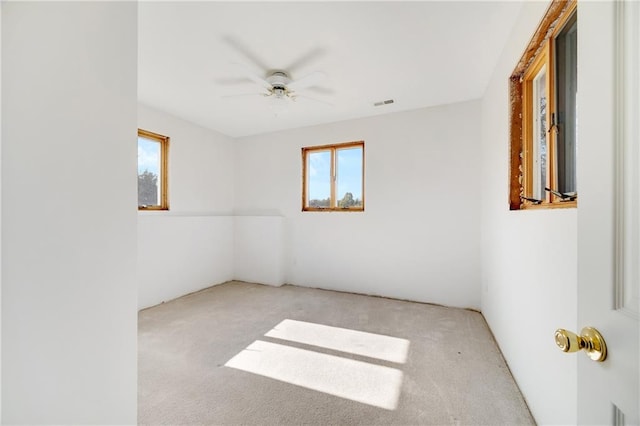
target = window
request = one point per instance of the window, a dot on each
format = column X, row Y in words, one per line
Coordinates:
column 333, row 177
column 543, row 93
column 152, row 171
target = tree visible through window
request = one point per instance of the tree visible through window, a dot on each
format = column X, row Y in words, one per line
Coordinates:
column 333, row 177
column 152, row 171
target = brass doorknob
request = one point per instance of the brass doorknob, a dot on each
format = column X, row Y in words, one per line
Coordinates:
column 590, row 340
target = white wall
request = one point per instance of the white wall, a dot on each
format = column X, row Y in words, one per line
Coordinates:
column 259, row 249
column 0, row 216
column 200, row 164
column 69, row 316
column 191, row 246
column 419, row 236
column 178, row 255
column 529, row 258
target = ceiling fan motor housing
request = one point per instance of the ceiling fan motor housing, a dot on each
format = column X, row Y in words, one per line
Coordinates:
column 279, row 79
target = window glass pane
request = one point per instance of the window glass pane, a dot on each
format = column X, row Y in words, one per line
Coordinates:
column 149, row 172
column 319, row 179
column 349, row 177
column 567, row 76
column 540, row 134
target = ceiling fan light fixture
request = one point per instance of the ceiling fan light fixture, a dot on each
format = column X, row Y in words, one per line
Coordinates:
column 279, row 92
column 278, row 105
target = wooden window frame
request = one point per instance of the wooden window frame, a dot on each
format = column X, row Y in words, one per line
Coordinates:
column 528, row 96
column 164, row 169
column 539, row 52
column 333, row 205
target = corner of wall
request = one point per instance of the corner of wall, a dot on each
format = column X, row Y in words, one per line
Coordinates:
column 259, row 249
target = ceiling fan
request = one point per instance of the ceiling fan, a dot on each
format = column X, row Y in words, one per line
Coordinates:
column 279, row 86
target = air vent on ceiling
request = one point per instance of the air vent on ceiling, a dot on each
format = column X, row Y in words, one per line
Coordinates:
column 387, row 102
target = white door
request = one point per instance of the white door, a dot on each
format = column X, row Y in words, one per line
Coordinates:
column 609, row 209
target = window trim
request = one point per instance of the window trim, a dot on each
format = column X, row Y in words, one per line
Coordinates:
column 333, row 148
column 528, row 126
column 164, row 169
column 541, row 47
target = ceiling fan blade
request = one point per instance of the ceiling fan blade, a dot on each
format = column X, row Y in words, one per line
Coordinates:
column 309, row 57
column 240, row 95
column 307, row 98
column 253, row 75
column 320, row 90
column 239, row 46
column 230, row 81
column 312, row 79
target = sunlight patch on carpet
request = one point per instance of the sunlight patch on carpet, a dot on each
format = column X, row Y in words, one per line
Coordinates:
column 359, row 381
column 371, row 345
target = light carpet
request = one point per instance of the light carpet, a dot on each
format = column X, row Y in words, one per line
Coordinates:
column 243, row 353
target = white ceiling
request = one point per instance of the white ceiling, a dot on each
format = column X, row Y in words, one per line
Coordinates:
column 418, row 53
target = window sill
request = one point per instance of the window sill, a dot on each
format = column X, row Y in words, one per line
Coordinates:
column 314, row 209
column 555, row 205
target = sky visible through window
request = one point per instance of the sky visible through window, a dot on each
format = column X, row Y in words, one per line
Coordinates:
column 349, row 173
column 148, row 156
column 319, row 175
